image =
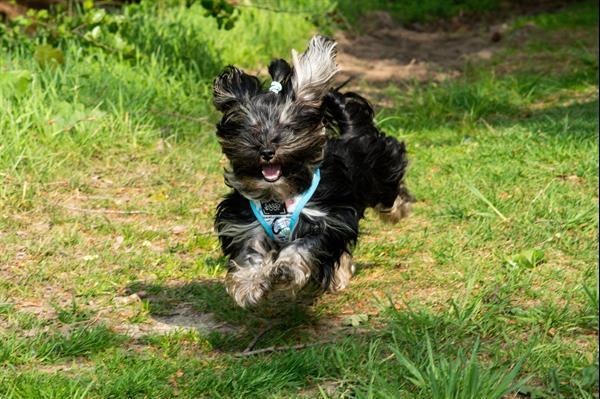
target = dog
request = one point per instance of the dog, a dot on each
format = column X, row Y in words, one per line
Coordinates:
column 304, row 162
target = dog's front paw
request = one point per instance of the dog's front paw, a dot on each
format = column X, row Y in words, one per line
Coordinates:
column 247, row 285
column 282, row 274
column 291, row 270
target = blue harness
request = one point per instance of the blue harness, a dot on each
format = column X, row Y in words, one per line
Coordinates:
column 279, row 219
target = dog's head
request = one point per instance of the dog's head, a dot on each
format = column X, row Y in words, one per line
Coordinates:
column 274, row 139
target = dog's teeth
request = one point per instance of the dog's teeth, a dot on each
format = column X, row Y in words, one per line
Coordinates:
column 271, row 172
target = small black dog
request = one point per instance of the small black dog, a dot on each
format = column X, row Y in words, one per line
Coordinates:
column 305, row 162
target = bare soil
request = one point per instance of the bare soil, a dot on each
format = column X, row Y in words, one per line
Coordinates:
column 385, row 52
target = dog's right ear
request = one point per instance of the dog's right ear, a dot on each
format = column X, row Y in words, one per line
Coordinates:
column 233, row 86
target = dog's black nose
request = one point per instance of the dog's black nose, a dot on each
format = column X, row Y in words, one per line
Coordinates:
column 267, row 154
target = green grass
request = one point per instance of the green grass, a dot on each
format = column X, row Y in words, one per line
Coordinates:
column 488, row 289
column 407, row 11
column 582, row 14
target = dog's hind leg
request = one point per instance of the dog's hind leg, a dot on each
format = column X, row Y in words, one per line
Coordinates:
column 399, row 209
column 343, row 272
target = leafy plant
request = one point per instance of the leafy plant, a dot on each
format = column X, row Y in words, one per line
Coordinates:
column 460, row 378
column 15, row 82
column 222, row 11
column 73, row 313
column 526, row 259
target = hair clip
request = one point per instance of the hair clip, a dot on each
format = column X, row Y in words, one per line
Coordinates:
column 275, row 87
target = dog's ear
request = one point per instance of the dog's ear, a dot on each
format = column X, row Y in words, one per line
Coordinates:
column 233, row 86
column 314, row 69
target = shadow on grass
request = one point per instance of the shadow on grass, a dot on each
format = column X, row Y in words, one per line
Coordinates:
column 204, row 305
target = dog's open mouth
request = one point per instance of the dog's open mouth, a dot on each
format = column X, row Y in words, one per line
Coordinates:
column 272, row 172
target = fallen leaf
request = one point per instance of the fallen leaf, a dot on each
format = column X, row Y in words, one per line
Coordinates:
column 355, row 320
column 118, row 242
column 526, row 259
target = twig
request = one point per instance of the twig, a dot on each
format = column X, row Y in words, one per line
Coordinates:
column 258, row 336
column 113, row 211
column 488, row 126
column 282, row 348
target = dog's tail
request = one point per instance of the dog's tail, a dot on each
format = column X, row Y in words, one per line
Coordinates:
column 377, row 162
column 349, row 114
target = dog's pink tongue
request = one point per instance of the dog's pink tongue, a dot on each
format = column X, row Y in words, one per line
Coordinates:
column 271, row 172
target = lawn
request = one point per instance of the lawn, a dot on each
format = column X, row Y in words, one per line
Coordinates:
column 111, row 275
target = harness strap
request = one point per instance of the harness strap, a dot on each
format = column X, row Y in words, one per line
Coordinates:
column 280, row 219
column 261, row 219
column 304, row 199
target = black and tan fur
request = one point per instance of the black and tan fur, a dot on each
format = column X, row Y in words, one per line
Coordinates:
column 306, row 126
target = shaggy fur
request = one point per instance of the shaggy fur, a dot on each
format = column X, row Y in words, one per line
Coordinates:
column 274, row 142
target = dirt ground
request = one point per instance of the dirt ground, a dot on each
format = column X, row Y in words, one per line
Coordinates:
column 385, row 52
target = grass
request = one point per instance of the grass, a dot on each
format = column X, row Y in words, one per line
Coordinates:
column 488, row 289
column 577, row 15
column 409, row 11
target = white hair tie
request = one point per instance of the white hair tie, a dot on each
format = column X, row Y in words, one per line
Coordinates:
column 275, row 87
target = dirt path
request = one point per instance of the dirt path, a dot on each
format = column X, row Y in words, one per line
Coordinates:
column 387, row 52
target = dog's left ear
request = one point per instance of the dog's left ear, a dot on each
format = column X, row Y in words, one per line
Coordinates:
column 233, row 86
column 314, row 69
